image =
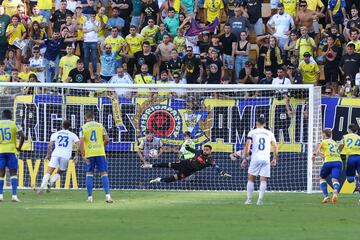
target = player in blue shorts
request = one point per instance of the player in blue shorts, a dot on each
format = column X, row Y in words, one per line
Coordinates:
column 8, row 150
column 350, row 146
column 93, row 139
column 332, row 166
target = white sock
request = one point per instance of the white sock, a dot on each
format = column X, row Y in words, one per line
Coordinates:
column 45, row 180
column 262, row 189
column 250, row 190
column 55, row 178
column 107, row 196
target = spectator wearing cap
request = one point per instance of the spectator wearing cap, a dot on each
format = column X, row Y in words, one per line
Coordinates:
column 4, row 22
column 149, row 9
column 305, row 44
column 249, row 74
column 16, row 32
column 91, row 28
column 67, row 63
column 10, row 6
column 337, row 13
column 239, row 23
column 45, row 7
column 37, row 64
column 331, row 69
column 115, row 20
column 309, row 70
column 215, row 69
column 280, row 26
column 242, row 50
column 350, row 62
column 125, row 9
column 354, row 39
column 58, row 18
column 213, row 9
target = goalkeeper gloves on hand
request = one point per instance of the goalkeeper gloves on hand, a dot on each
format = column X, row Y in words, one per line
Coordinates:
column 224, row 174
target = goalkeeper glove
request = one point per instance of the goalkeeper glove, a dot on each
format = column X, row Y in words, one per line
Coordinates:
column 224, row 174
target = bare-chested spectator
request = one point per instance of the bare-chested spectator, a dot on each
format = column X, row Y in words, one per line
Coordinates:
column 163, row 51
column 306, row 17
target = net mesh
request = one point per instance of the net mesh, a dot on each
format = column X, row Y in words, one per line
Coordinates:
column 215, row 116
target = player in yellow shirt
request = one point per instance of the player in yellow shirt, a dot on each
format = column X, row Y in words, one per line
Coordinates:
column 332, row 166
column 350, row 146
column 93, row 139
column 8, row 150
column 149, row 33
column 134, row 41
column 67, row 63
column 309, row 69
column 10, row 6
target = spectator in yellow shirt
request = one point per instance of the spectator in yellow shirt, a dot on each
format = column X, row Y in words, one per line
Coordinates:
column 305, row 44
column 67, row 63
column 11, row 6
column 309, row 69
column 213, row 9
column 16, row 32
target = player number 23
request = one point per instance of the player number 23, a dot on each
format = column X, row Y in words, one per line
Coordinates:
column 63, row 141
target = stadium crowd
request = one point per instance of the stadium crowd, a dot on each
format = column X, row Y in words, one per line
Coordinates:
column 182, row 41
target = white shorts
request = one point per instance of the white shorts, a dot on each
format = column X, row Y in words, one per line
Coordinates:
column 59, row 162
column 259, row 168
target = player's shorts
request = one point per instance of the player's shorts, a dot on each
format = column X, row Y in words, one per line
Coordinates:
column 259, row 168
column 184, row 168
column 8, row 160
column 99, row 162
column 59, row 162
column 353, row 165
column 333, row 169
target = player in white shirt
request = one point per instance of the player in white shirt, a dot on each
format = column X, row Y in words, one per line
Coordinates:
column 261, row 140
column 63, row 141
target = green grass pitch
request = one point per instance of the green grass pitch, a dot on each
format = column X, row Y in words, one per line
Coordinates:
column 138, row 215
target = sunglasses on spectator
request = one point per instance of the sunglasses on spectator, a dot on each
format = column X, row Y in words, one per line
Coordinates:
column 35, row 51
column 302, row 5
column 188, row 50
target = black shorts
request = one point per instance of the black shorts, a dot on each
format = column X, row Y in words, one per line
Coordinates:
column 183, row 167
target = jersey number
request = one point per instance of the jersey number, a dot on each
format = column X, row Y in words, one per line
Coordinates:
column 5, row 134
column 349, row 141
column 331, row 148
column 63, row 141
column 261, row 144
column 93, row 136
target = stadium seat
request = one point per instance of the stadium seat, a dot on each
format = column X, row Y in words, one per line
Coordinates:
column 253, row 53
column 322, row 74
column 252, row 37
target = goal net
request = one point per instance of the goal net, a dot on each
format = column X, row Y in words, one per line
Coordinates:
column 218, row 115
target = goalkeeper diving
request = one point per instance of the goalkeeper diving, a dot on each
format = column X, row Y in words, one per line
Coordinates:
column 185, row 168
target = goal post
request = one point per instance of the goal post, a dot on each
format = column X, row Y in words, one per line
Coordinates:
column 218, row 115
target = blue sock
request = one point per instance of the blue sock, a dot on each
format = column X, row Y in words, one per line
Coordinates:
column 1, row 185
column 14, row 184
column 105, row 182
column 350, row 179
column 336, row 186
column 89, row 184
column 323, row 186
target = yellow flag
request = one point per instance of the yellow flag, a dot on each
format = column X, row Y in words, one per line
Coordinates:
column 116, row 111
column 177, row 5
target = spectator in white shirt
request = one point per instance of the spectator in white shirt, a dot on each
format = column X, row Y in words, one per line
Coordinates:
column 280, row 26
column 90, row 29
column 281, row 80
column 121, row 77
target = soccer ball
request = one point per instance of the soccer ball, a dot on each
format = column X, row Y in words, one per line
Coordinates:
column 153, row 153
